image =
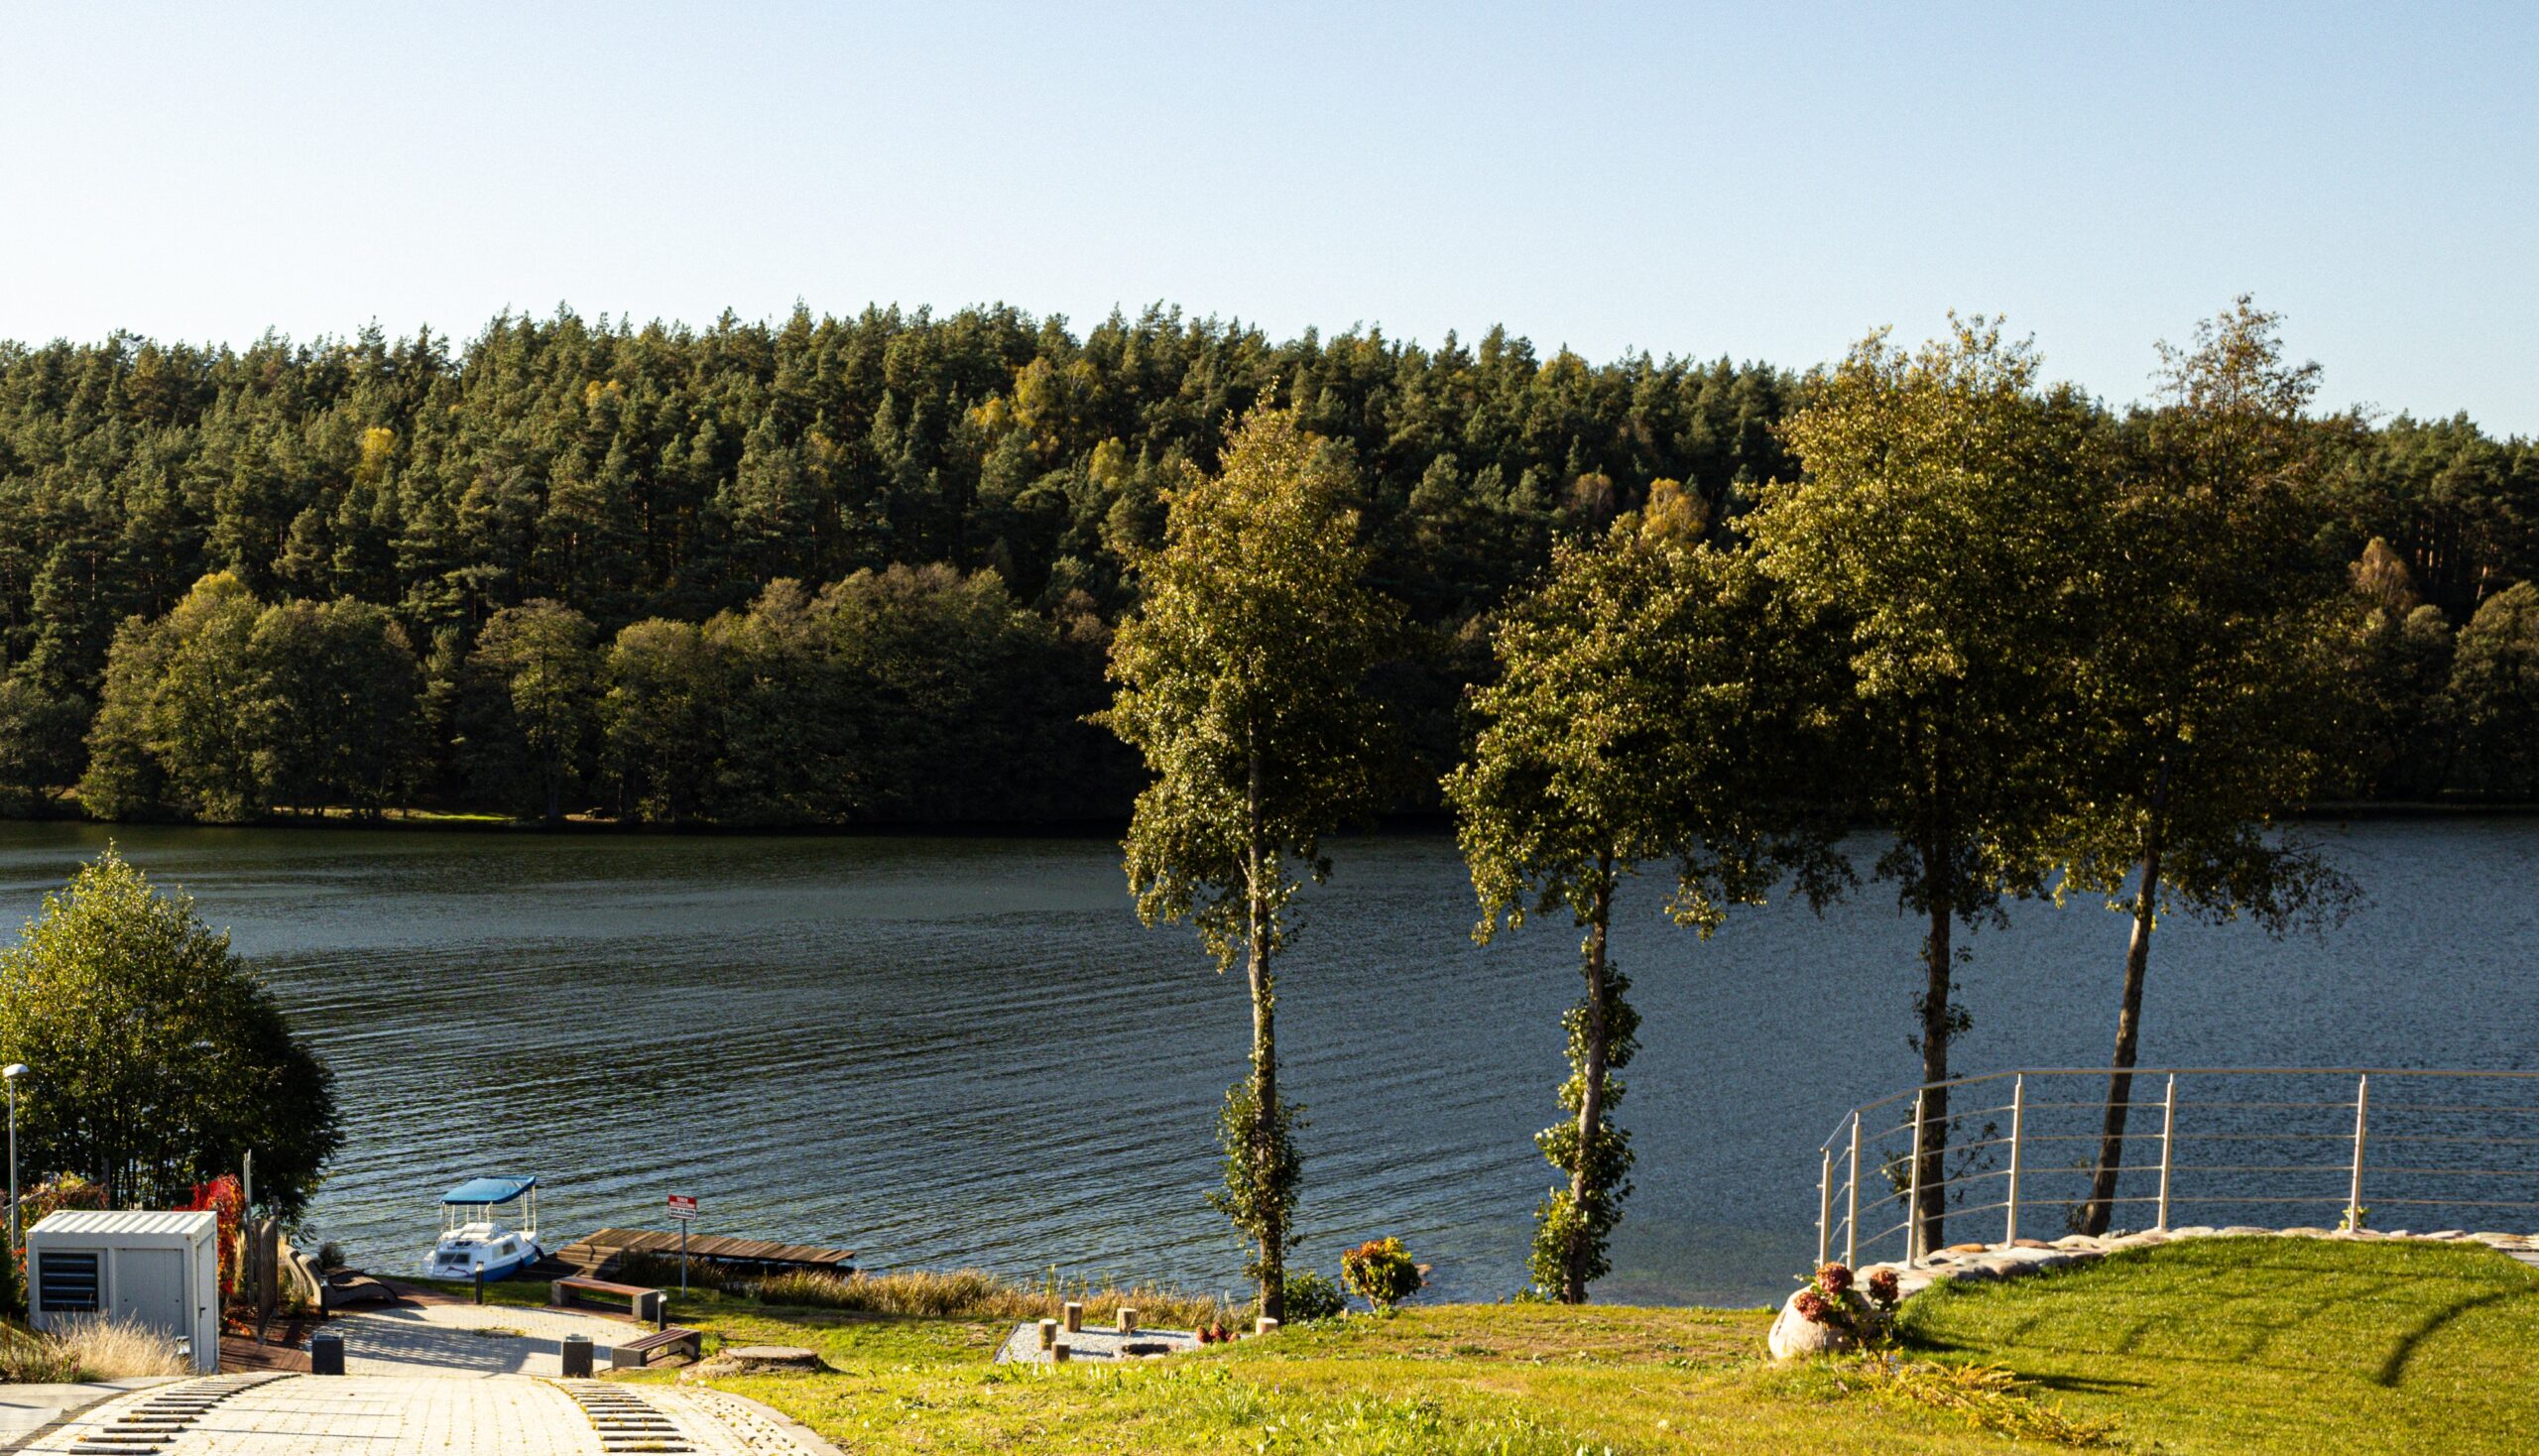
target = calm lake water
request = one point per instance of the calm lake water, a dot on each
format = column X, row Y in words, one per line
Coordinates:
column 950, row 1051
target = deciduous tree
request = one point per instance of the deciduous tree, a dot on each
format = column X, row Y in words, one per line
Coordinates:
column 1941, row 517
column 1240, row 680
column 159, row 1058
column 1642, row 714
column 2211, row 684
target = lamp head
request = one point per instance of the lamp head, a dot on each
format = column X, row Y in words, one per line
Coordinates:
column 14, row 1070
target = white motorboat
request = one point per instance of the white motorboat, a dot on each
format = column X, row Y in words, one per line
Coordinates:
column 474, row 1237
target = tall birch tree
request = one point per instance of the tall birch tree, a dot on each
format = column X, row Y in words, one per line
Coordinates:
column 1241, row 681
column 1639, row 694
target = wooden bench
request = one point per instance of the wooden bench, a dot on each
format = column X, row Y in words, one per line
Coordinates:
column 642, row 1302
column 637, row 1354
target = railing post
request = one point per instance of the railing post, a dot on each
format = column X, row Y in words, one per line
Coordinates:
column 2168, row 1132
column 2361, row 1114
column 1913, row 1198
column 1825, row 1209
column 1852, row 1214
column 2018, row 1114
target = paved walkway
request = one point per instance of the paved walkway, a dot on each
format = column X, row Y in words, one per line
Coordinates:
column 31, row 1408
column 451, row 1339
column 425, row 1415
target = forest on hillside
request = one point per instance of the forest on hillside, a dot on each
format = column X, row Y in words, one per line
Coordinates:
column 844, row 570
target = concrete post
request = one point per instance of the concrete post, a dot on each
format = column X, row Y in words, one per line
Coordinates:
column 1128, row 1320
column 1075, row 1316
column 1048, row 1334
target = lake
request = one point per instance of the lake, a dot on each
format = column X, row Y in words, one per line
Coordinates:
column 945, row 1051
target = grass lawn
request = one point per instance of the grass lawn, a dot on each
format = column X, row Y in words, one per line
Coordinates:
column 2240, row 1345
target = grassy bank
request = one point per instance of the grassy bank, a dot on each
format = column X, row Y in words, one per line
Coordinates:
column 2259, row 1346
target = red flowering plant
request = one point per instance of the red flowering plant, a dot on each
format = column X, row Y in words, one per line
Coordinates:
column 1832, row 1299
column 224, row 1199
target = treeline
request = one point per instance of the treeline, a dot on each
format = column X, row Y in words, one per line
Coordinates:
column 835, row 569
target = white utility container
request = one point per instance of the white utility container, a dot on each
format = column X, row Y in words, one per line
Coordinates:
column 161, row 1270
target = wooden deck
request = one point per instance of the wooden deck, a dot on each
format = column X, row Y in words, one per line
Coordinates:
column 597, row 1256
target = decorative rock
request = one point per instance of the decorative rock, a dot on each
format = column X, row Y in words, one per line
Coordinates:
column 1794, row 1334
column 2029, row 1244
column 2245, row 1231
column 1967, row 1247
column 2448, row 1235
column 2305, row 1233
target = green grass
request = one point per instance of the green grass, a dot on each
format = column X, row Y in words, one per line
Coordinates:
column 2269, row 1345
column 2224, row 1345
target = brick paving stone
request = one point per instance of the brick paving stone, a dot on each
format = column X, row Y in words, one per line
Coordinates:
column 436, row 1415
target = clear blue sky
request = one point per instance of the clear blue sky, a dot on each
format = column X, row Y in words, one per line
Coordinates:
column 1764, row 181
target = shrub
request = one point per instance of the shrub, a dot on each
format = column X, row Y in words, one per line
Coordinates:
column 1381, row 1272
column 969, row 1294
column 1311, row 1294
column 661, row 1271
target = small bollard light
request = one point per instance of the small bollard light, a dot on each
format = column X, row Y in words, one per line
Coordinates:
column 480, row 1286
column 577, row 1357
column 1048, row 1334
column 325, row 1353
column 1128, row 1320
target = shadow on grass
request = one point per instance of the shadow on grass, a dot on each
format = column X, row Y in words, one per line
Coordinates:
column 2394, row 1368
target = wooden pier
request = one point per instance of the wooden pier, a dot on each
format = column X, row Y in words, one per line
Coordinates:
column 598, row 1255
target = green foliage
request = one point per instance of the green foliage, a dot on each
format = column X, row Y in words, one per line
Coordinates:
column 542, row 672
column 659, row 472
column 1380, row 1272
column 1313, row 1295
column 1263, row 1170
column 1573, row 1222
column 1240, row 679
column 159, row 1057
column 2494, row 687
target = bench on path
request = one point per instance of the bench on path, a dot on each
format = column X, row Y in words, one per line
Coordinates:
column 637, row 1354
column 642, row 1302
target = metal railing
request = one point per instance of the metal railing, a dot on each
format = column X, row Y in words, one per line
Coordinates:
column 2280, row 1146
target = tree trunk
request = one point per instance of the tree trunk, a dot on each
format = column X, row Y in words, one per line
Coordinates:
column 1264, row 1058
column 1591, row 1101
column 1939, row 893
column 2129, row 1034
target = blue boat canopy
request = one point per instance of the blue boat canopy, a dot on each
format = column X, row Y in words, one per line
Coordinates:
column 489, row 1190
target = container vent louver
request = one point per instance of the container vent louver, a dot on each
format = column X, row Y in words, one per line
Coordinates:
column 66, row 1281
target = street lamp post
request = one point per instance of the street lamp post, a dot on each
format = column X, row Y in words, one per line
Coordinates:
column 12, row 1072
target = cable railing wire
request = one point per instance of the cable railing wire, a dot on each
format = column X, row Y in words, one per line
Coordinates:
column 1928, row 1165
